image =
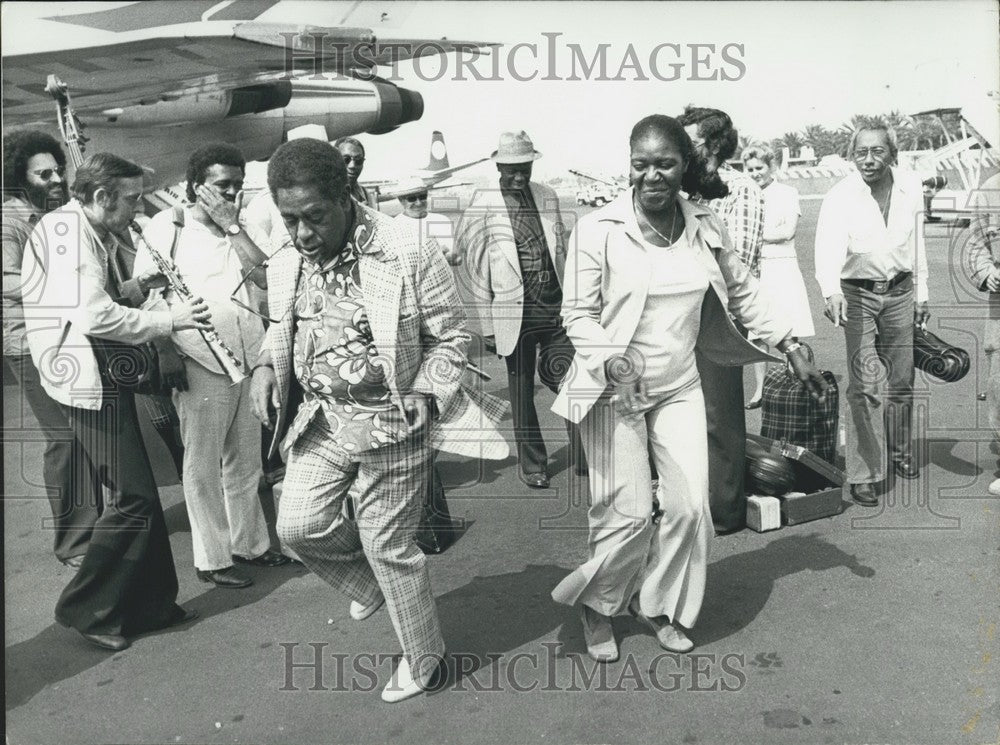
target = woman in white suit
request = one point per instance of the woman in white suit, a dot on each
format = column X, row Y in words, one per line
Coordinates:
column 780, row 276
column 649, row 280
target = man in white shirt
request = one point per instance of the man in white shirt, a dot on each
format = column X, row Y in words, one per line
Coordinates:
column 426, row 226
column 77, row 332
column 871, row 266
column 213, row 254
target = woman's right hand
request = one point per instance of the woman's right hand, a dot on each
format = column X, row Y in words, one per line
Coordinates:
column 629, row 391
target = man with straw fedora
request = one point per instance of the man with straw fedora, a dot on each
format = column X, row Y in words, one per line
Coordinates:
column 512, row 240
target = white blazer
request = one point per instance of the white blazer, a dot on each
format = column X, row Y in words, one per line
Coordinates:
column 492, row 271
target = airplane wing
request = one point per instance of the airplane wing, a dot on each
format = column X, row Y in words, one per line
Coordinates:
column 442, row 173
column 194, row 58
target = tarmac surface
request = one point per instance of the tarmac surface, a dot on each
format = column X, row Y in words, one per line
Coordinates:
column 874, row 626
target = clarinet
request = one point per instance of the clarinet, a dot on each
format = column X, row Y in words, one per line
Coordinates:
column 222, row 353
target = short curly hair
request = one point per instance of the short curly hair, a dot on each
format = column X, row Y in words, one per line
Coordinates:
column 759, row 152
column 19, row 147
column 308, row 162
column 714, row 127
column 215, row 153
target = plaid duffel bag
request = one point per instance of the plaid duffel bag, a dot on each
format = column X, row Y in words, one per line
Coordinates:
column 789, row 413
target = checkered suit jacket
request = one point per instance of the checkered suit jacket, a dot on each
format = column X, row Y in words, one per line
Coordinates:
column 418, row 324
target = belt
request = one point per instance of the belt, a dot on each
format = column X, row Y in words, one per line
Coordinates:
column 878, row 286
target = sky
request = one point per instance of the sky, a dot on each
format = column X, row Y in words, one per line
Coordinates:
column 805, row 62
column 790, row 64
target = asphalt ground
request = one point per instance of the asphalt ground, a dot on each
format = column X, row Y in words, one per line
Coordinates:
column 874, row 626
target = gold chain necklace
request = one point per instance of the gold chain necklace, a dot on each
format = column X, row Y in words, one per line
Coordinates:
column 673, row 218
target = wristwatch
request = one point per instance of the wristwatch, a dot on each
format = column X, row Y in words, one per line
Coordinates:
column 233, row 229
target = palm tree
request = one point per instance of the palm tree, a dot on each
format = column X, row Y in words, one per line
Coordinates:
column 822, row 140
column 793, row 141
column 903, row 126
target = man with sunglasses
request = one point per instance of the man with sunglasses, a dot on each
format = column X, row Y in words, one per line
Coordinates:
column 360, row 378
column 425, row 226
column 34, row 181
column 871, row 266
column 353, row 153
column 222, row 466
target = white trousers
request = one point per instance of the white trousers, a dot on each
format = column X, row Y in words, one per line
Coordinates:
column 665, row 562
column 222, row 468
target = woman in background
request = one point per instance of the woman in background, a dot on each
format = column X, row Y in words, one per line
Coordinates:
column 780, row 277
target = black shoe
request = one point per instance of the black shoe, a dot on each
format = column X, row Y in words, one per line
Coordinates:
column 180, row 617
column 227, row 578
column 73, row 562
column 112, row 642
column 906, row 469
column 536, row 480
column 177, row 617
column 864, row 494
column 754, row 404
column 267, row 559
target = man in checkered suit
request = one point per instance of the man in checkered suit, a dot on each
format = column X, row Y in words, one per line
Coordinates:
column 369, row 334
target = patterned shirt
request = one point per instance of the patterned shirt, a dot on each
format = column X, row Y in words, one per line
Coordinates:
column 542, row 293
column 742, row 212
column 335, row 359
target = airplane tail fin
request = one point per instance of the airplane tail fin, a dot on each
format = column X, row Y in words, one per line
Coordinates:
column 439, row 153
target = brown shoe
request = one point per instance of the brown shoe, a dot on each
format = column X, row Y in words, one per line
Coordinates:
column 864, row 495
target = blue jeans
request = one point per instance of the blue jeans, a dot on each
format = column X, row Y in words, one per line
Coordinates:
column 879, row 338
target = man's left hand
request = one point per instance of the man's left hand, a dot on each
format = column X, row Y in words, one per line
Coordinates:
column 808, row 375
column 223, row 212
column 150, row 279
column 921, row 313
column 417, row 408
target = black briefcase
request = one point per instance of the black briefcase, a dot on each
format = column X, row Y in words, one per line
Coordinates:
column 936, row 357
column 436, row 531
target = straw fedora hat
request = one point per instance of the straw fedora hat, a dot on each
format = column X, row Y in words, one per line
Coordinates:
column 515, row 147
column 405, row 187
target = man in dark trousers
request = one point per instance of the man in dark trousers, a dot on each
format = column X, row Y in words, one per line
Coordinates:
column 738, row 201
column 512, row 241
column 74, row 315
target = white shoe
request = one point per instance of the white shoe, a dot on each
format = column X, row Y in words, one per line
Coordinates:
column 670, row 637
column 360, row 612
column 402, row 686
column 994, row 488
